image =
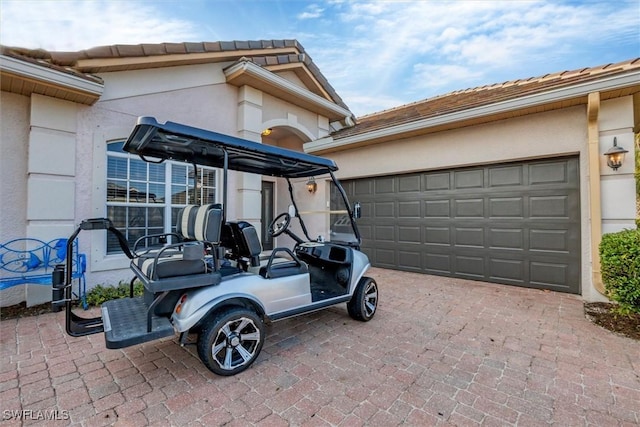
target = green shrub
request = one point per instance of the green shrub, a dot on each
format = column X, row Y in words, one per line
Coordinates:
column 100, row 293
column 637, row 150
column 620, row 263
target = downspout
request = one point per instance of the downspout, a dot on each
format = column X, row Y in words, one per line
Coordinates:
column 593, row 139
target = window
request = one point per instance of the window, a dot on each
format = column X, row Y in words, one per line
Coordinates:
column 144, row 198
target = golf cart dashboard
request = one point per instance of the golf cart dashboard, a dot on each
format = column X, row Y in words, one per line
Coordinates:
column 325, row 251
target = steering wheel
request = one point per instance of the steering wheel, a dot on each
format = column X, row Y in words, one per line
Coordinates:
column 280, row 224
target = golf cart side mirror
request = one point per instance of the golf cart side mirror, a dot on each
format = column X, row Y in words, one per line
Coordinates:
column 357, row 210
column 292, row 211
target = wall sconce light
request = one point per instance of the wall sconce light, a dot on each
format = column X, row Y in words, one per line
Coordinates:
column 311, row 185
column 615, row 155
column 267, row 132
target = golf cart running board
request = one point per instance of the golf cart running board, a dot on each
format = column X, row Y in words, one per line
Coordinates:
column 125, row 323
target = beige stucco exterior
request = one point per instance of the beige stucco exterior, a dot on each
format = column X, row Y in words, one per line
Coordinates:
column 54, row 171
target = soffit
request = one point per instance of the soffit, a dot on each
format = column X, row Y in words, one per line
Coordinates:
column 246, row 72
column 25, row 86
column 26, row 75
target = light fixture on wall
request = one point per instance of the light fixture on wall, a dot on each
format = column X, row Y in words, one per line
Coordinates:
column 311, row 185
column 615, row 155
column 267, row 132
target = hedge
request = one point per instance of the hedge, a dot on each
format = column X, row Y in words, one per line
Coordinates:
column 100, row 294
column 620, row 265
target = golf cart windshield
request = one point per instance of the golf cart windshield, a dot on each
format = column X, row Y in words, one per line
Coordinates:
column 314, row 217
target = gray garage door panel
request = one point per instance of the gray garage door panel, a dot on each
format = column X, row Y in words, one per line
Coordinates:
column 516, row 223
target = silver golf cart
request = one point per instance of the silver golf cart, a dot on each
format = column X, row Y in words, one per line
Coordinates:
column 210, row 281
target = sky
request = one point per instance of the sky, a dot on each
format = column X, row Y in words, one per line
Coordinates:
column 376, row 54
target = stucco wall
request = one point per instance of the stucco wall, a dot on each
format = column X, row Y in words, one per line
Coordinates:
column 540, row 135
column 618, row 190
column 14, row 136
column 278, row 113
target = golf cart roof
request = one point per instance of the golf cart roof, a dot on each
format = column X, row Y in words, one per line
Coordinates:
column 157, row 142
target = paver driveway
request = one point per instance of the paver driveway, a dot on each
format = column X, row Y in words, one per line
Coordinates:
column 439, row 351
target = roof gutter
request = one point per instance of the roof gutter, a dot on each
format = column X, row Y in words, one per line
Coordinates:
column 574, row 91
column 49, row 76
column 243, row 72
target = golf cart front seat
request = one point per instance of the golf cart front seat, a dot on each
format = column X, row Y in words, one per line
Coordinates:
column 187, row 268
column 241, row 240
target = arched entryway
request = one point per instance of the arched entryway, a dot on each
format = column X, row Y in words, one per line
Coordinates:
column 274, row 191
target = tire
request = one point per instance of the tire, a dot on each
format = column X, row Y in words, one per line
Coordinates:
column 364, row 302
column 231, row 341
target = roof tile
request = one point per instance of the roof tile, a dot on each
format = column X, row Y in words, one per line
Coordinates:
column 126, row 50
column 271, row 60
column 283, row 59
column 225, row 46
column 260, row 60
column 241, row 45
column 212, row 46
column 175, row 48
column 475, row 97
column 153, row 49
column 194, row 47
column 101, row 52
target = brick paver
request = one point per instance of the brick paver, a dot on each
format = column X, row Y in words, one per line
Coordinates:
column 439, row 351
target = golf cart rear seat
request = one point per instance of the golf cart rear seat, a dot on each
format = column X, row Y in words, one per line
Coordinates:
column 183, row 265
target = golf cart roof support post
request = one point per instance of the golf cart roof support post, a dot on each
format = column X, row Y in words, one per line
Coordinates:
column 293, row 201
column 346, row 203
column 225, row 171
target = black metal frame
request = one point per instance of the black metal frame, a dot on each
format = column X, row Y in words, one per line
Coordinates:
column 173, row 141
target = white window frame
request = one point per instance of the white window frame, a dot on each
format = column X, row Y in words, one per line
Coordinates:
column 100, row 259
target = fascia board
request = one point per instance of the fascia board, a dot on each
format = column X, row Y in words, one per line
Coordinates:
column 574, row 91
column 44, row 74
column 271, row 79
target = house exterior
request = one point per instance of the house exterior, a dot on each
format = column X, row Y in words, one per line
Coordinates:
column 65, row 117
column 505, row 183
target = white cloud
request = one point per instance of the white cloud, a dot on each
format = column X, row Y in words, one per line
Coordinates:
column 312, row 11
column 410, row 50
column 75, row 25
column 429, row 76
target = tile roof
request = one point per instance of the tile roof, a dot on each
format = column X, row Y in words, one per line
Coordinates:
column 480, row 96
column 44, row 58
column 258, row 51
column 146, row 49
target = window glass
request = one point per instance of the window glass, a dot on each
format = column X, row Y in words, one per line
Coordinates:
column 142, row 201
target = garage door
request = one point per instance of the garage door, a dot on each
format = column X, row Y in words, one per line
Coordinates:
column 515, row 223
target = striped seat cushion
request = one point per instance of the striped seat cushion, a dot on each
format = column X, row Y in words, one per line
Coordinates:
column 172, row 266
